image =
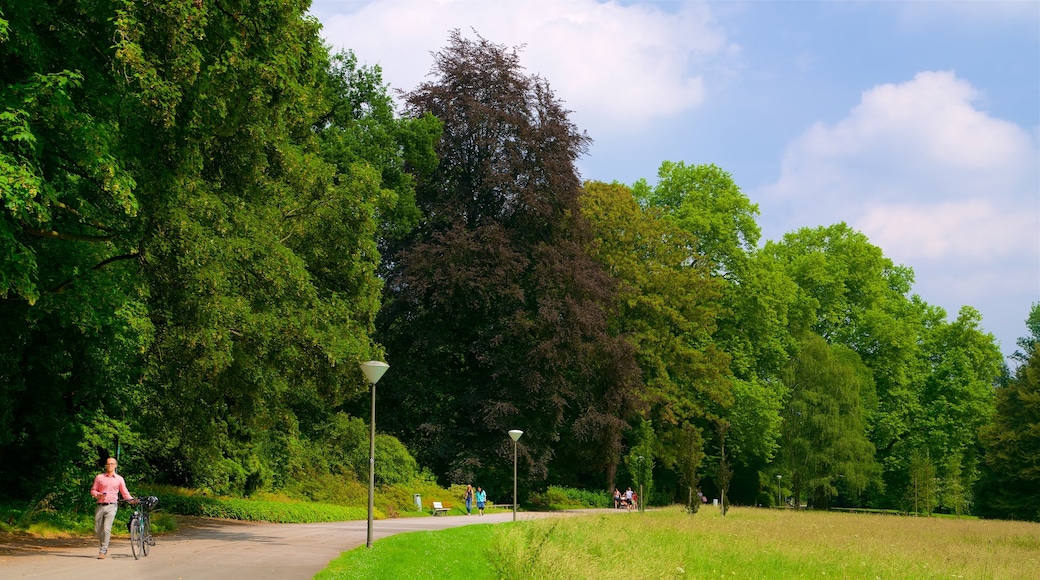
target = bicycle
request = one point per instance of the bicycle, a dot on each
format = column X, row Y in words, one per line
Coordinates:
column 140, row 525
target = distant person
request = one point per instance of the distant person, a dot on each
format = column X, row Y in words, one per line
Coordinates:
column 481, row 499
column 107, row 488
column 628, row 498
column 635, row 500
column 617, row 498
column 469, row 499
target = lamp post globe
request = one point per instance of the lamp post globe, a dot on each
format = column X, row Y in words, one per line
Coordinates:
column 373, row 371
column 514, row 434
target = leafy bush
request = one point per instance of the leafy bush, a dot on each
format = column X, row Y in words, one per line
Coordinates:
column 326, row 488
column 55, row 523
column 561, row 498
column 259, row 510
column 394, row 464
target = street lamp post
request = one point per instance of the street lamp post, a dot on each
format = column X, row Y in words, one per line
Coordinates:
column 779, row 497
column 514, row 434
column 373, row 370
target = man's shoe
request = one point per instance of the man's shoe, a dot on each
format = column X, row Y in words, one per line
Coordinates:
column 101, row 556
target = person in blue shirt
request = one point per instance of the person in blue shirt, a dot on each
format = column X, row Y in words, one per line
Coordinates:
column 481, row 499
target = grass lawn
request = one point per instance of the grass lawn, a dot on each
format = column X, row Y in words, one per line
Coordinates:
column 452, row 553
column 747, row 543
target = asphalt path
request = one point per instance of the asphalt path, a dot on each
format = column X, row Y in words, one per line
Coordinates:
column 204, row 548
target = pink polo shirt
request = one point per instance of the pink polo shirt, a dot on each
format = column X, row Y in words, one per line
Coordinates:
column 107, row 488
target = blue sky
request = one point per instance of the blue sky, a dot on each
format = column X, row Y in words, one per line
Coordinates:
column 916, row 123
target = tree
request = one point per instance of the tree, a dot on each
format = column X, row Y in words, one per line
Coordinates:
column 640, row 462
column 706, row 203
column 723, row 471
column 825, row 421
column 850, row 294
column 495, row 310
column 956, row 397
column 1027, row 344
column 189, row 255
column 665, row 306
column 750, row 325
column 72, row 314
column 1010, row 486
column 921, row 493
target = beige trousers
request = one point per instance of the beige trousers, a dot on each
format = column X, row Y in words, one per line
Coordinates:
column 104, row 516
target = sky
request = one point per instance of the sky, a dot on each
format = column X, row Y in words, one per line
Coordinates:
column 916, row 123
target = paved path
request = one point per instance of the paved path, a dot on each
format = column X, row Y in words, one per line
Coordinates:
column 206, row 548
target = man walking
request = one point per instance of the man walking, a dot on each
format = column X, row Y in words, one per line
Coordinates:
column 107, row 488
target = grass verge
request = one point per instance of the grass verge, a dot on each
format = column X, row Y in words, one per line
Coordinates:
column 669, row 543
column 446, row 554
column 49, row 523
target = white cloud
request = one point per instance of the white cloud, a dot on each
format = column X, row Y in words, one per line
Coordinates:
column 923, row 172
column 623, row 64
column 972, row 229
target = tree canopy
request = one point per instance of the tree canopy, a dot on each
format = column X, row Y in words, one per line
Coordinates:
column 208, row 220
column 495, row 311
column 192, row 194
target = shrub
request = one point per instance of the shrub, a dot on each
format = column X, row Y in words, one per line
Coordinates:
column 561, row 498
column 259, row 510
column 327, row 488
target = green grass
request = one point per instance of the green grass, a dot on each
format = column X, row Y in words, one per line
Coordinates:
column 748, row 542
column 452, row 553
column 49, row 523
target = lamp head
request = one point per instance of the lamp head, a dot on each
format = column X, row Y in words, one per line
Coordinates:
column 374, row 370
column 515, row 434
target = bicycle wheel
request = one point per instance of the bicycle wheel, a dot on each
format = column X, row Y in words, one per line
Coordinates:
column 136, row 546
column 146, row 534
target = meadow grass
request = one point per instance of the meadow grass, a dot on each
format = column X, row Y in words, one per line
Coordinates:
column 669, row 543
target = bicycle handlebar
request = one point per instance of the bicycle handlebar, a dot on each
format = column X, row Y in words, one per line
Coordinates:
column 148, row 503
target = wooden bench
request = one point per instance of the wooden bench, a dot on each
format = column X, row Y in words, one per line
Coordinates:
column 438, row 508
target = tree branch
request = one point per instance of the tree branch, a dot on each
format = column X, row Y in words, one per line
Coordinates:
column 63, row 236
column 80, row 216
column 61, row 287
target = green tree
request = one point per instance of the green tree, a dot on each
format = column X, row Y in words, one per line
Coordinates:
column 1027, row 344
column 706, row 203
column 188, row 252
column 825, row 422
column 72, row 316
column 1010, row 486
column 957, row 399
column 665, row 306
column 259, row 251
column 751, row 324
column 849, row 293
column 492, row 304
column 921, row 493
column 640, row 461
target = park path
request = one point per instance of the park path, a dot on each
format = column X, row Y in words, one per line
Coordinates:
column 205, row 548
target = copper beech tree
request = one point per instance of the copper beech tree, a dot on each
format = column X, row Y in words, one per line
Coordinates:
column 494, row 315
